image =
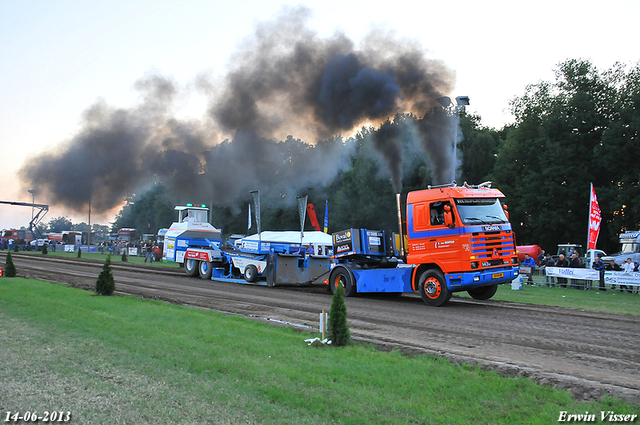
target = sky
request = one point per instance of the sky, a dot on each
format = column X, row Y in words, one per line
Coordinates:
column 61, row 57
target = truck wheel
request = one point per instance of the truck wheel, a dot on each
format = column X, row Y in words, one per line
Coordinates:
column 191, row 267
column 205, row 268
column 484, row 292
column 342, row 276
column 251, row 273
column 433, row 288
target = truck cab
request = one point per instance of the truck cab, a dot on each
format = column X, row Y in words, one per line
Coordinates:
column 566, row 248
column 629, row 248
column 459, row 238
column 591, row 256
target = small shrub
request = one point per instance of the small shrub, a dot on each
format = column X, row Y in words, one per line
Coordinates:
column 105, row 285
column 338, row 326
column 9, row 267
column 45, row 251
column 124, row 256
column 16, row 248
column 79, row 252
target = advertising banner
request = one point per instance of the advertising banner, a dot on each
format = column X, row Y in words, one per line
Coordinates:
column 586, row 274
column 610, row 277
column 344, row 243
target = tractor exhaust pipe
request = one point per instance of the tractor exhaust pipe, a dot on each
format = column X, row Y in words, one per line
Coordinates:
column 399, row 207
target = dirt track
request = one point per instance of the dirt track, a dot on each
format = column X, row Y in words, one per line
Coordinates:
column 588, row 353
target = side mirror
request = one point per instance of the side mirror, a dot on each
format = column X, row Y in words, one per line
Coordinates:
column 448, row 216
column 506, row 211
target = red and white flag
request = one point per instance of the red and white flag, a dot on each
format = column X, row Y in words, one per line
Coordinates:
column 594, row 219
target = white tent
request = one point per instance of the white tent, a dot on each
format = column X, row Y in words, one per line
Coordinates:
column 310, row 238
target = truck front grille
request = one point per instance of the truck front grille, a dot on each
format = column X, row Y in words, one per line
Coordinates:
column 492, row 249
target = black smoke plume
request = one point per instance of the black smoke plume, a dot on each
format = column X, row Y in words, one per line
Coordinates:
column 386, row 140
column 275, row 121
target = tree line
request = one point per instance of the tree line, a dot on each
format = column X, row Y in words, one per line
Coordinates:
column 578, row 129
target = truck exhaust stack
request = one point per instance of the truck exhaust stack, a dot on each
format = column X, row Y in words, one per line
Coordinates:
column 399, row 207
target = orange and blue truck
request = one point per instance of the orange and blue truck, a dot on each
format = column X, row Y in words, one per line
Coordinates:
column 458, row 238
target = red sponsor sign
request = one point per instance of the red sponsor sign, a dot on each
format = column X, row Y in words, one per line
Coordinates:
column 594, row 219
column 197, row 255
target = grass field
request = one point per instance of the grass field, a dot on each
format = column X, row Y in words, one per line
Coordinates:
column 127, row 360
column 96, row 256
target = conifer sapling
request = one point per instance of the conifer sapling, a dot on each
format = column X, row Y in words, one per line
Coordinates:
column 9, row 267
column 338, row 326
column 105, row 284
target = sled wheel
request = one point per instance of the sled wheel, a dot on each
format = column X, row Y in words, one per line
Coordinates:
column 205, row 268
column 342, row 276
column 433, row 288
column 191, row 267
column 251, row 273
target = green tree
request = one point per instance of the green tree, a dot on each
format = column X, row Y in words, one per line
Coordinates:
column 81, row 227
column 105, row 285
column 124, row 217
column 479, row 149
column 9, row 267
column 100, row 232
column 338, row 326
column 58, row 224
column 363, row 196
column 567, row 135
column 617, row 180
column 146, row 213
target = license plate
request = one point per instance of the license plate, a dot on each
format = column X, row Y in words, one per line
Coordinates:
column 497, row 275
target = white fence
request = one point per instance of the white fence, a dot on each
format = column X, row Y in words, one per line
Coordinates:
column 579, row 277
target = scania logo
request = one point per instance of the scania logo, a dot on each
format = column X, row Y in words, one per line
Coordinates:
column 491, row 228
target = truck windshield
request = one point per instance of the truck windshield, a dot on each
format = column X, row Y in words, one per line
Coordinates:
column 481, row 211
column 630, row 247
column 198, row 215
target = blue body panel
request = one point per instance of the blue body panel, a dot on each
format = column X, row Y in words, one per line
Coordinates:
column 383, row 280
column 279, row 247
column 464, row 281
column 399, row 279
